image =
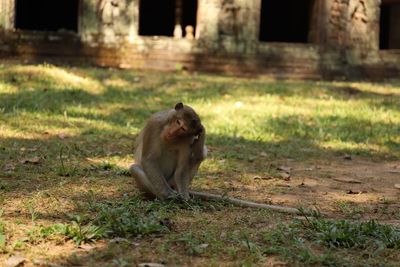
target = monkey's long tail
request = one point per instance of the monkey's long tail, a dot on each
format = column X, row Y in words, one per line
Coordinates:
column 250, row 204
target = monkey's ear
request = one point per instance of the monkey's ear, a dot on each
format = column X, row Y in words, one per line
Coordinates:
column 179, row 106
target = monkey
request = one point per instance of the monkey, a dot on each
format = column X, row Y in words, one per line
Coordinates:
column 169, row 151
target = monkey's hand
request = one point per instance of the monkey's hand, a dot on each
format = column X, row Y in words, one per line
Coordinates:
column 178, row 197
column 197, row 147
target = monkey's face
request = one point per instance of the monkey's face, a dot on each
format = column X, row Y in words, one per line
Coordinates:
column 184, row 123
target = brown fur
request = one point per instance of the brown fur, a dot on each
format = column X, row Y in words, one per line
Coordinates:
column 169, row 151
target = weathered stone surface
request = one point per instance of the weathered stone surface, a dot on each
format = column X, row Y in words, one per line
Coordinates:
column 343, row 40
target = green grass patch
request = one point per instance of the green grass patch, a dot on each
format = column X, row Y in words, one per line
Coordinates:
column 124, row 218
column 334, row 242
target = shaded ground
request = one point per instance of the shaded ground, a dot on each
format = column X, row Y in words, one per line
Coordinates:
column 356, row 188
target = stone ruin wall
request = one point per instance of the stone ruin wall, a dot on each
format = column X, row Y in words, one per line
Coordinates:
column 343, row 40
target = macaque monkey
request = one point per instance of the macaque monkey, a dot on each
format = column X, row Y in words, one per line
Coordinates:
column 169, row 151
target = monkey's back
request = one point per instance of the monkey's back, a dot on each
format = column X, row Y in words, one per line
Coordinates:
column 158, row 118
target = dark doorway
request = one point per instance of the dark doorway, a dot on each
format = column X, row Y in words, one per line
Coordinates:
column 46, row 15
column 285, row 21
column 157, row 17
column 389, row 35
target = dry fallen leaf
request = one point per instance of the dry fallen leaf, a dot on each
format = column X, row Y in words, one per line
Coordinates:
column 284, row 168
column 263, row 154
column 31, row 149
column 355, row 192
column 252, row 159
column 9, row 167
column 394, row 171
column 203, row 246
column 62, row 135
column 262, row 177
column 14, row 261
column 283, row 185
column 86, row 247
column 285, row 176
column 347, row 180
column 34, row 160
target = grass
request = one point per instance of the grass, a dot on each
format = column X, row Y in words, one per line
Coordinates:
column 67, row 139
column 335, row 243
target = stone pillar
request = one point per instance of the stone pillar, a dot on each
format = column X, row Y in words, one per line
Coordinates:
column 89, row 22
column 248, row 19
column 7, row 14
column 337, row 22
column 362, row 21
column 362, row 32
column 207, row 25
column 109, row 21
column 228, row 26
column 352, row 36
column 178, row 31
column 333, row 25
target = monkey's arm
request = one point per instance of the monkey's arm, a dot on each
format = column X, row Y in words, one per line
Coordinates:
column 159, row 184
column 198, row 147
column 150, row 162
column 250, row 204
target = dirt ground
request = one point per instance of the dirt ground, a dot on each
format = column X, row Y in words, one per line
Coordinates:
column 350, row 186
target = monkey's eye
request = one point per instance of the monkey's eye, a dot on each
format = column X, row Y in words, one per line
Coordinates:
column 178, row 121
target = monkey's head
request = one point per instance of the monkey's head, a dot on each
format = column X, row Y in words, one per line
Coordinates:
column 184, row 122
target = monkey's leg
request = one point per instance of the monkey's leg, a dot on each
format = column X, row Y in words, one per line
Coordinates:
column 141, row 180
column 180, row 182
column 188, row 168
column 183, row 178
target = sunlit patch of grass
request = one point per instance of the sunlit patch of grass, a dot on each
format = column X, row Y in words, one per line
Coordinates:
column 274, row 119
column 44, row 77
column 384, row 89
column 117, row 82
column 354, row 147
